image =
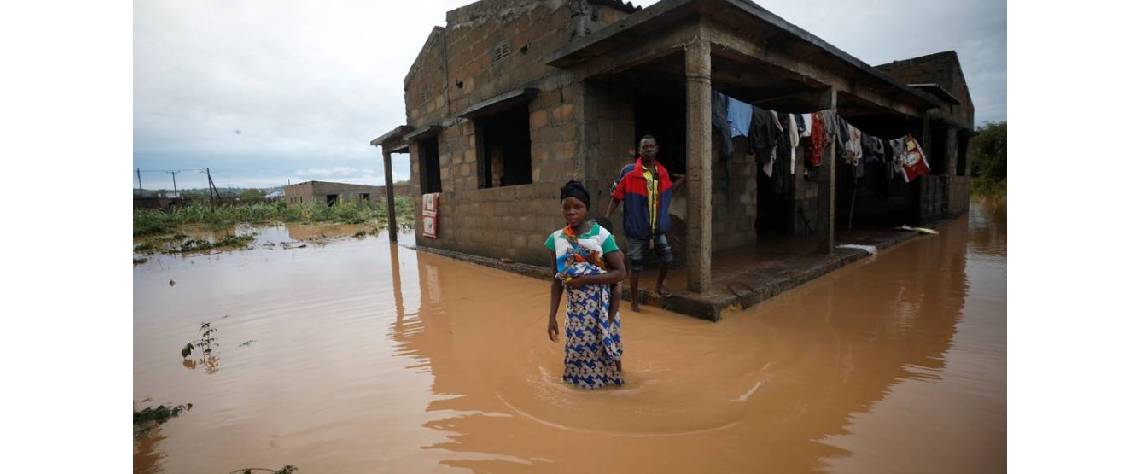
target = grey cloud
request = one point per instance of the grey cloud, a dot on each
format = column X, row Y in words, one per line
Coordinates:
column 307, row 84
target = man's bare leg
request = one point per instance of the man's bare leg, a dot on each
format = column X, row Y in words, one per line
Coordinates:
column 660, row 289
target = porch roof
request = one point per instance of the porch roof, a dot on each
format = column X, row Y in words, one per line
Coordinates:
column 757, row 56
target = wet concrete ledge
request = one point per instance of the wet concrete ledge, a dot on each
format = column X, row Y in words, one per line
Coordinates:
column 742, row 292
column 534, row 271
column 758, row 286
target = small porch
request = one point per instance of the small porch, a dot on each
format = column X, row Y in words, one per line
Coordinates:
column 745, row 276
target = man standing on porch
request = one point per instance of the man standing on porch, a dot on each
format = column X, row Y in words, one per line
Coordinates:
column 645, row 189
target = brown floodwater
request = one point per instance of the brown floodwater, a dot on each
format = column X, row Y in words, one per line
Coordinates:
column 360, row 356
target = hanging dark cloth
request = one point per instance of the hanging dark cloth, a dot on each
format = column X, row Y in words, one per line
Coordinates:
column 722, row 132
column 782, row 167
column 872, row 150
column 762, row 134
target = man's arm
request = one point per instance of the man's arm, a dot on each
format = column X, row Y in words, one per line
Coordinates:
column 610, row 208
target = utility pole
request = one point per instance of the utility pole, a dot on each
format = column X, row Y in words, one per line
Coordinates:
column 213, row 189
column 138, row 174
column 175, row 182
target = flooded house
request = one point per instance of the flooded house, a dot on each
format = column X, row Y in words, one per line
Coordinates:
column 512, row 98
column 330, row 193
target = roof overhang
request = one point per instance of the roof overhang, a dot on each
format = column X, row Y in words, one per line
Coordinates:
column 937, row 91
column 746, row 40
column 423, row 132
column 500, row 102
column 393, row 141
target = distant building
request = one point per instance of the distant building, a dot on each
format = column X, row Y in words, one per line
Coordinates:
column 275, row 195
column 329, row 193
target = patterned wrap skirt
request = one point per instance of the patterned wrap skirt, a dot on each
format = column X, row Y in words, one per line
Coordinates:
column 593, row 344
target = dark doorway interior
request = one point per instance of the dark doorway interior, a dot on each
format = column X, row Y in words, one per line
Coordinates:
column 659, row 110
column 429, row 165
column 331, row 199
column 504, row 154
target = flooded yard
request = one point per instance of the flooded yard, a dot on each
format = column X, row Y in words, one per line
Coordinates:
column 356, row 355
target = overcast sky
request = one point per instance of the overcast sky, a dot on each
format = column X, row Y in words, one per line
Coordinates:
column 269, row 91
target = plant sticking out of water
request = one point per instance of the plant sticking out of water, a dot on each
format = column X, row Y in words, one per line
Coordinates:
column 150, row 417
column 205, row 346
column 288, row 469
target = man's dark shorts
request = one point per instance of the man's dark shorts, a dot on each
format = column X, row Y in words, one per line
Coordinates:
column 638, row 248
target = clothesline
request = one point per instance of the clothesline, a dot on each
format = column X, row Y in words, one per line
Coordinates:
column 775, row 136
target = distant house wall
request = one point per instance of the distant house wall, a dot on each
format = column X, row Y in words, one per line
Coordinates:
column 318, row 192
column 946, row 193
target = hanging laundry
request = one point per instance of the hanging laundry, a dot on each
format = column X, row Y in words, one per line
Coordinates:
column 842, row 130
column 722, row 135
column 853, row 148
column 818, row 136
column 913, row 160
column 898, row 150
column 872, row 149
column 739, row 117
column 806, row 119
column 762, row 134
column 800, row 125
column 889, row 159
column 793, row 140
column 781, row 169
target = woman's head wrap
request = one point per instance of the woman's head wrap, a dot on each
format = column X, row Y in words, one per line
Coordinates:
column 575, row 189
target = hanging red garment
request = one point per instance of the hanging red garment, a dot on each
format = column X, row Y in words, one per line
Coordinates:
column 818, row 138
column 913, row 160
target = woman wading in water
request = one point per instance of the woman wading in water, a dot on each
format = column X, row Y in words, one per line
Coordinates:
column 587, row 263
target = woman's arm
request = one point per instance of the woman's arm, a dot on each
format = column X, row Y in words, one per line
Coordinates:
column 616, row 273
column 555, row 300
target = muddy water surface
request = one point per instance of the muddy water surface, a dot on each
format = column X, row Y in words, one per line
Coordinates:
column 358, row 356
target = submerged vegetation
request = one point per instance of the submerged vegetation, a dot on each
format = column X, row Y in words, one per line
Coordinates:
column 150, row 417
column 156, row 221
column 288, row 469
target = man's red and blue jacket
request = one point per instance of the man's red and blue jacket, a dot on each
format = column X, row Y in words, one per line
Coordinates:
column 631, row 188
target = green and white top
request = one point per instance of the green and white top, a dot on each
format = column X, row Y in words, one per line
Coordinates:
column 589, row 248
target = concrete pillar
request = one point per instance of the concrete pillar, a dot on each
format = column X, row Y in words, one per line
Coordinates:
column 826, row 215
column 391, row 195
column 698, row 139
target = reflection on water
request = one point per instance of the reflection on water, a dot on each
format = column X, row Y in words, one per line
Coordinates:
column 373, row 357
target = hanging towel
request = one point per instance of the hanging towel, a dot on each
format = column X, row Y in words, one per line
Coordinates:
column 913, row 160
column 739, row 117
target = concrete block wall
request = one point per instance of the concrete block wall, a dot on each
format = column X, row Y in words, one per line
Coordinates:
column 734, row 207
column 489, row 48
column 510, row 221
column 940, row 68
